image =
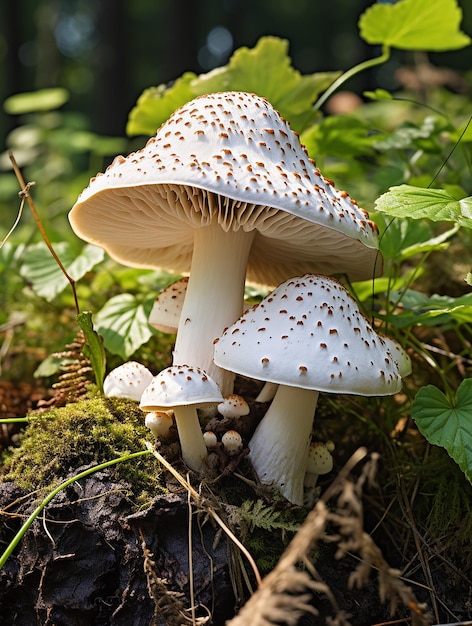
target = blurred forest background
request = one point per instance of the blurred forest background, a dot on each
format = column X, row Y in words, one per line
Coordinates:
column 106, row 52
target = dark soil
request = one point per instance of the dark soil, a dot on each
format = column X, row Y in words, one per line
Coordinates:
column 85, row 562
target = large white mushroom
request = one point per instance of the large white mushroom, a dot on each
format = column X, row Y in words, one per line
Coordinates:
column 184, row 389
column 224, row 189
column 308, row 336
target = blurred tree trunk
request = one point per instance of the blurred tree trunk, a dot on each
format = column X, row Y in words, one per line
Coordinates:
column 111, row 100
column 182, row 37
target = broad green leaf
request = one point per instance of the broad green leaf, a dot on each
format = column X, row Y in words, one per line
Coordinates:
column 46, row 278
column 447, row 423
column 265, row 70
column 418, row 202
column 34, row 101
column 339, row 136
column 414, row 25
column 93, row 348
column 123, row 324
column 409, row 135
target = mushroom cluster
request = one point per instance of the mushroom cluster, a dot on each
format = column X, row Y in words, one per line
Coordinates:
column 225, row 193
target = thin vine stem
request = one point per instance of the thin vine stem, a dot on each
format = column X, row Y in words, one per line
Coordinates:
column 357, row 69
column 25, row 195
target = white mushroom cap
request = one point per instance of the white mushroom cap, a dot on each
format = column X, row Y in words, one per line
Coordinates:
column 309, row 333
column 400, row 355
column 128, row 380
column 210, row 439
column 233, row 405
column 143, row 210
column 180, row 385
column 183, row 389
column 167, row 307
column 232, row 442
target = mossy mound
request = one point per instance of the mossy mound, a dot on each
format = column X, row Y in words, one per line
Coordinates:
column 91, row 431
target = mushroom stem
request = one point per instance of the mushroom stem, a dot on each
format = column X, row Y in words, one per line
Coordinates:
column 278, row 450
column 214, row 298
column 194, row 450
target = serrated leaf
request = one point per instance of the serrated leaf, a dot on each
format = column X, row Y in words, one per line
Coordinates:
column 31, row 102
column 418, row 202
column 123, row 324
column 44, row 275
column 414, row 25
column 447, row 423
column 93, row 348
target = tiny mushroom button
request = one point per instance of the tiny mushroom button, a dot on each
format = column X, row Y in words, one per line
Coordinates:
column 307, row 336
column 223, row 191
column 184, row 389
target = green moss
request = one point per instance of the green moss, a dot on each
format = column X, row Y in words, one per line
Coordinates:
column 91, row 431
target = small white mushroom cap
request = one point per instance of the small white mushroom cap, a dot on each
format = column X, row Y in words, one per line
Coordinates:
column 180, row 385
column 320, row 459
column 233, row 405
column 128, row 380
column 167, row 307
column 210, row 439
column 184, row 389
column 232, row 442
column 159, row 423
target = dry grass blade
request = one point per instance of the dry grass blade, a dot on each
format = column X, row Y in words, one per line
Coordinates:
column 288, row 591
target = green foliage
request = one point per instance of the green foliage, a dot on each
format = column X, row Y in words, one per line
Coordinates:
column 93, row 348
column 123, row 323
column 32, row 102
column 41, row 271
column 435, row 204
column 447, row 422
column 257, row 514
column 91, row 431
column 414, row 25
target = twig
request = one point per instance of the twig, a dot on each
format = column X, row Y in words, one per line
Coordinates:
column 25, row 195
column 196, row 496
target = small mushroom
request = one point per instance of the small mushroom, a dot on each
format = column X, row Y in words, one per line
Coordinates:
column 211, row 440
column 159, row 423
column 308, row 336
column 320, row 461
column 184, row 389
column 232, row 442
column 127, row 381
column 167, row 307
column 233, row 405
